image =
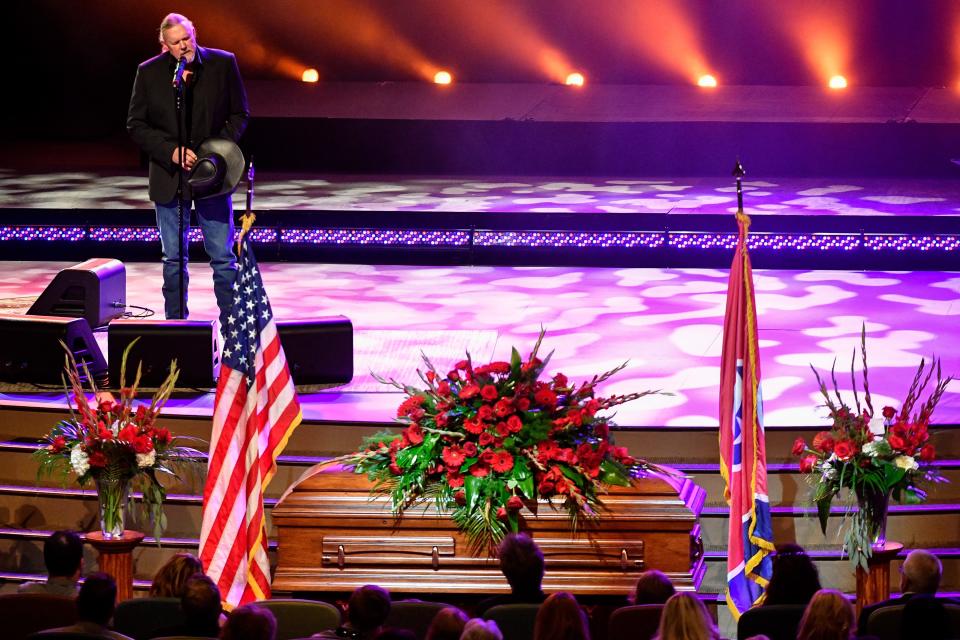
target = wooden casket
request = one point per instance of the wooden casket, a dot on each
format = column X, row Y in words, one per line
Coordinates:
column 334, row 537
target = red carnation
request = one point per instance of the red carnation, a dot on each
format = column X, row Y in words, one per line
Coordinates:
column 98, row 459
column 514, row 503
column 799, row 445
column 845, row 449
column 514, row 424
column 807, row 462
column 470, row 449
column 889, row 412
column 824, row 442
column 503, row 462
column 453, row 456
column 928, row 453
column 479, row 470
column 469, row 390
column 489, row 393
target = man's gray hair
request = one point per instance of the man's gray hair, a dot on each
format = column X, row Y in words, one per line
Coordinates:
column 922, row 571
column 173, row 19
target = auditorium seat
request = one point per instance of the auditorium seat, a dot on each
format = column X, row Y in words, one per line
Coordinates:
column 777, row 621
column 64, row 635
column 140, row 618
column 516, row 621
column 884, row 623
column 27, row 613
column 636, row 622
column 414, row 615
column 301, row 618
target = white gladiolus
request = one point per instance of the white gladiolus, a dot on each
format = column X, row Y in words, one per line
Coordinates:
column 79, row 461
column 877, row 425
column 906, row 462
column 147, row 459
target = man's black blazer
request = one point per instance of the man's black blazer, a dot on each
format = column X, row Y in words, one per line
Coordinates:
column 219, row 108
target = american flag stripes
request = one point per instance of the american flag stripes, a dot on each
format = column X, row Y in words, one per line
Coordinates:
column 743, row 458
column 255, row 412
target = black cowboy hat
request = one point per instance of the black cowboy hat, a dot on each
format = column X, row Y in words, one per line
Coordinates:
column 218, row 169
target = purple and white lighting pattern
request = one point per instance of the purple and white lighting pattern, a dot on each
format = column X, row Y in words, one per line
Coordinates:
column 702, row 240
column 387, row 237
column 912, row 243
column 804, row 242
column 125, row 234
column 579, row 239
column 263, row 235
column 55, row 234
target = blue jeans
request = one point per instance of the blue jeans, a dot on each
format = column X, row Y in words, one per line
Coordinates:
column 215, row 216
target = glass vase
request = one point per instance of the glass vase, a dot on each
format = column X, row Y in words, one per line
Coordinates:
column 113, row 494
column 873, row 507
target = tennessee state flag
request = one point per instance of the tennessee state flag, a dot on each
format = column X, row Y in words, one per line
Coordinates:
column 743, row 457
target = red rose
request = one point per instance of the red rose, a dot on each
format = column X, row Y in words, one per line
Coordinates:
column 896, row 442
column 560, row 381
column 807, row 462
column 469, row 390
column 514, row 424
column 453, row 456
column 545, row 488
column 453, row 375
column 601, row 430
column 106, row 406
column 489, row 393
column 799, row 445
column 162, row 435
column 443, row 388
column 485, row 438
column 485, row 412
column 98, row 459
column 128, row 433
column 501, row 513
column 502, row 430
column 845, row 449
column 142, row 444
column 488, row 456
column 824, row 442
column 479, row 470
column 442, row 419
column 454, row 479
column 928, row 453
column 523, row 404
column 514, row 503
column 460, row 497
column 503, row 408
column 470, row 449
column 889, row 412
column 503, row 462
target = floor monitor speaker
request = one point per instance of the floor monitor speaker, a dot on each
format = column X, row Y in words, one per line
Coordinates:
column 194, row 344
column 318, row 350
column 95, row 290
column 32, row 352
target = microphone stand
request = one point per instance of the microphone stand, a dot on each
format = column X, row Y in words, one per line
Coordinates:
column 178, row 97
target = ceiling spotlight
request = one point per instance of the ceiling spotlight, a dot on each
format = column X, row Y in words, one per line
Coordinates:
column 310, row 75
column 442, row 77
column 707, row 80
column 837, row 82
column 575, row 80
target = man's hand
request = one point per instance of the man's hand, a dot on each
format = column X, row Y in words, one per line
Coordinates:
column 189, row 158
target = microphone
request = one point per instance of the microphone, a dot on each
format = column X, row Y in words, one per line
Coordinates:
column 178, row 72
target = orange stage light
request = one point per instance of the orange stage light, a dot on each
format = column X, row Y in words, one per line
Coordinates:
column 837, row 82
column 707, row 81
column 442, row 77
column 575, row 80
column 310, row 75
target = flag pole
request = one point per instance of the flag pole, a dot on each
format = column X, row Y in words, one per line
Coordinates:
column 248, row 217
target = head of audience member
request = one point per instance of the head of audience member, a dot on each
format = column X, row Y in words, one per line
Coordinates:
column 653, row 587
column 201, row 604
column 521, row 562
column 759, row 636
column 920, row 572
column 63, row 554
column 794, row 579
column 249, row 622
column 479, row 629
column 447, row 624
column 829, row 616
column 561, row 618
column 925, row 617
column 171, row 579
column 685, row 618
column 97, row 599
column 368, row 608
column 394, row 633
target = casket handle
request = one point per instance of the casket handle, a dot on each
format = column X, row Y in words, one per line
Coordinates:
column 435, row 558
column 624, row 560
column 340, row 559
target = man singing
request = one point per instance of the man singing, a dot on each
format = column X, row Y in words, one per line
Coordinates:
column 214, row 104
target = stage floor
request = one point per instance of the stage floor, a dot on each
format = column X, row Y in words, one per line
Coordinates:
column 665, row 322
column 126, row 189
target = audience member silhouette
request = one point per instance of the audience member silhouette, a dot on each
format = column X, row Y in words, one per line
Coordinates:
column 202, row 609
column 685, row 618
column 521, row 562
column 480, row 629
column 170, row 580
column 653, row 587
column 919, row 575
column 924, row 616
column 447, row 624
column 63, row 557
column 829, row 616
column 95, row 604
column 561, row 618
column 367, row 610
column 249, row 622
column 795, row 578
column 394, row 633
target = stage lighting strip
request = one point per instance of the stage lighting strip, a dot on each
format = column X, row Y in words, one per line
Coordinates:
column 52, row 234
column 912, row 243
column 773, row 241
column 387, row 237
column 578, row 239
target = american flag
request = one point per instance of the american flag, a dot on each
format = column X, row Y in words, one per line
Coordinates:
column 743, row 456
column 255, row 412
